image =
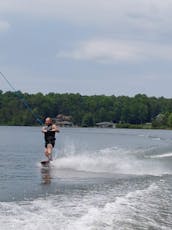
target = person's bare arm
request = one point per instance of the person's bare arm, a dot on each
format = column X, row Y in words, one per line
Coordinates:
column 55, row 128
column 44, row 129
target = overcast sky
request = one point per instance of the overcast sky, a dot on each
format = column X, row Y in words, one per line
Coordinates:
column 89, row 47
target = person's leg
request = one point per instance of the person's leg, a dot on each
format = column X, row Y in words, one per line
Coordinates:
column 49, row 151
column 46, row 152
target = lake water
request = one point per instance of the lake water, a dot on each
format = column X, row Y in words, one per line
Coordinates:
column 100, row 179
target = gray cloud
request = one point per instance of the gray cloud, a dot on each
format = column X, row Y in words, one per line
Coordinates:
column 4, row 26
column 109, row 50
column 120, row 47
column 144, row 13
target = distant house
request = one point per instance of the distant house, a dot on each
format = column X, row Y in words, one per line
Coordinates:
column 63, row 121
column 61, row 117
column 104, row 124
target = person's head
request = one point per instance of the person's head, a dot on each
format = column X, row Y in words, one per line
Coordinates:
column 48, row 121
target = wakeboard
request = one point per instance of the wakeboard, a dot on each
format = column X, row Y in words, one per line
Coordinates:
column 45, row 163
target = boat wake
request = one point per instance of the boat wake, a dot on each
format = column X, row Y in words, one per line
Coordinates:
column 164, row 155
column 113, row 161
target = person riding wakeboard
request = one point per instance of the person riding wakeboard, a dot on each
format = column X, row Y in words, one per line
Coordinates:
column 49, row 131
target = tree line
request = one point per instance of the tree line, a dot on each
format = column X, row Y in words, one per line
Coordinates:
column 17, row 108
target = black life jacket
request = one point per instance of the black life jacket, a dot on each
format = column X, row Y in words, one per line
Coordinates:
column 49, row 135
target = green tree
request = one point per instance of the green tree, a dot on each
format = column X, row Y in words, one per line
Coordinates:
column 160, row 121
column 170, row 120
column 88, row 120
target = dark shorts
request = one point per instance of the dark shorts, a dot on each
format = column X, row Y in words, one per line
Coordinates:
column 52, row 142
